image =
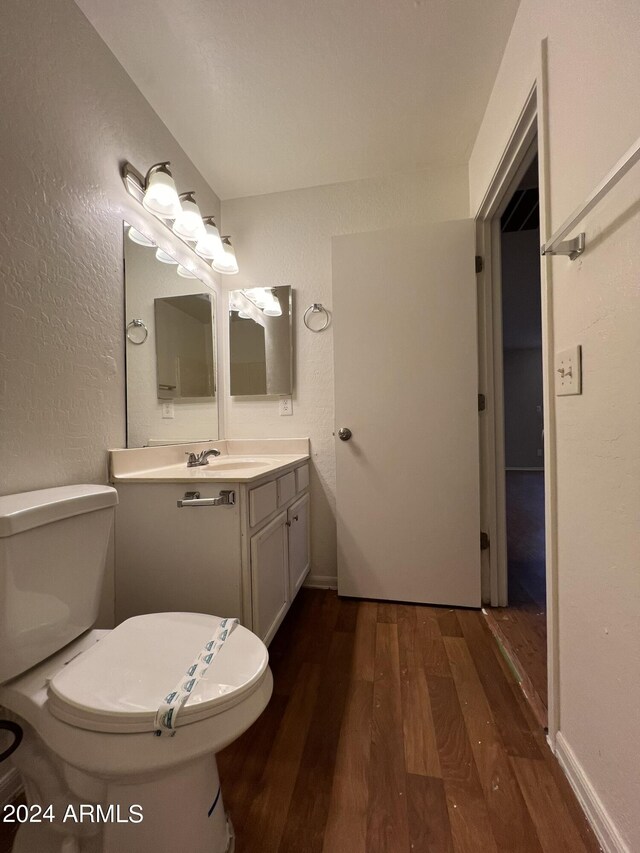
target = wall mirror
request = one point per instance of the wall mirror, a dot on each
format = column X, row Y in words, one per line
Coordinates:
column 170, row 348
column 260, row 342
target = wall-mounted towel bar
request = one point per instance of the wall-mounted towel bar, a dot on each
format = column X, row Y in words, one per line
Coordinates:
column 574, row 248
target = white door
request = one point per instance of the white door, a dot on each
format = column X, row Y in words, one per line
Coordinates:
column 406, row 384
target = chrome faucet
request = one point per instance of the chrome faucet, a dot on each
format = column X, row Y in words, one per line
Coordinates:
column 202, row 458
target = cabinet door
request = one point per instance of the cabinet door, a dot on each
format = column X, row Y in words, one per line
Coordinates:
column 299, row 557
column 269, row 577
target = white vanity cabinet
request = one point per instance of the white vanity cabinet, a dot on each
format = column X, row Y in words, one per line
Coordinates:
column 247, row 560
column 270, row 590
column 298, row 542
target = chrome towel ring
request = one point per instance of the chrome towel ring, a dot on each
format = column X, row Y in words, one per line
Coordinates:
column 316, row 308
column 139, row 337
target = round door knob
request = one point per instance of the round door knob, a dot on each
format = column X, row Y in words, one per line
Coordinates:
column 344, row 433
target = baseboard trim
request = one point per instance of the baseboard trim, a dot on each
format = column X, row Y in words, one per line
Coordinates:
column 10, row 786
column 321, row 582
column 592, row 805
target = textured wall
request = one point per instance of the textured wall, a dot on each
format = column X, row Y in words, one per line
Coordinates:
column 70, row 115
column 594, row 116
column 285, row 238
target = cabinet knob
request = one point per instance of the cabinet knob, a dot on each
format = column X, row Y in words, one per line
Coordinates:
column 344, row 433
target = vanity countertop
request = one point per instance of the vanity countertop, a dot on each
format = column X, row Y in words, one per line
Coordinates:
column 240, row 461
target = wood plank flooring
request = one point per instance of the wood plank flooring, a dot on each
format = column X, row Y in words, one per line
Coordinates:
column 395, row 729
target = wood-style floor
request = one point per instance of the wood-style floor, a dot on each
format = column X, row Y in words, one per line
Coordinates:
column 395, row 729
column 522, row 626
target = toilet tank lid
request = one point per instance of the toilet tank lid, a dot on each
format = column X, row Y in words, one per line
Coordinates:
column 33, row 509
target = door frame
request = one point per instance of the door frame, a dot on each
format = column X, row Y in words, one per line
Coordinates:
column 530, row 133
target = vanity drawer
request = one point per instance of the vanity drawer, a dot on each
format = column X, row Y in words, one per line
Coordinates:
column 262, row 502
column 286, row 488
column 302, row 477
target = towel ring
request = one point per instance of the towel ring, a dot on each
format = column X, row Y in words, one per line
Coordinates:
column 137, row 324
column 316, row 308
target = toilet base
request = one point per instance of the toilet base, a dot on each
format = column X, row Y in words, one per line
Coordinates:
column 179, row 809
column 32, row 837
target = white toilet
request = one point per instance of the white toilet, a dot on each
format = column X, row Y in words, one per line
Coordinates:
column 87, row 700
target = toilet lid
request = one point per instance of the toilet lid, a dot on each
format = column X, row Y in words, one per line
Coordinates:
column 118, row 684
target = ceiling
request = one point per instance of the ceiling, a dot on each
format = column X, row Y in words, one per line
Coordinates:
column 270, row 96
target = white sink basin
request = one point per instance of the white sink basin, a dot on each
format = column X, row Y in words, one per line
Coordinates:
column 237, row 464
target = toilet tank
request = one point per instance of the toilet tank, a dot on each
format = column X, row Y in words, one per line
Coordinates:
column 53, row 548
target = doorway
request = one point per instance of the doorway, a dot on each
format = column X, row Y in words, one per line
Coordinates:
column 521, row 625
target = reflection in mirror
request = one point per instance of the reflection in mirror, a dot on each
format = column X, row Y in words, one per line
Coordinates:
column 260, row 342
column 184, row 347
column 170, row 348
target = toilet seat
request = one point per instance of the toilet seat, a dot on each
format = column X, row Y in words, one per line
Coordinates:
column 117, row 685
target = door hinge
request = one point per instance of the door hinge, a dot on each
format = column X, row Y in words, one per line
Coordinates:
column 479, row 263
column 482, row 402
column 484, row 540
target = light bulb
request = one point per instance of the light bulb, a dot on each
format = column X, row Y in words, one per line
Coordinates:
column 210, row 245
column 226, row 263
column 164, row 257
column 188, row 222
column 160, row 195
column 243, row 315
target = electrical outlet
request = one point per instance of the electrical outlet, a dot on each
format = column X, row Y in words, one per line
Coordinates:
column 167, row 410
column 286, row 406
column 568, row 371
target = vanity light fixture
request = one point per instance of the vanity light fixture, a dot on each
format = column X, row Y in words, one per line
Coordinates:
column 210, row 246
column 160, row 194
column 226, row 263
column 258, row 295
column 156, row 191
column 165, row 257
column 183, row 272
column 188, row 223
column 273, row 309
column 140, row 238
column 265, row 299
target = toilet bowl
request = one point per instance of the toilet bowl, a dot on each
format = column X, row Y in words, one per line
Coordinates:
column 100, row 775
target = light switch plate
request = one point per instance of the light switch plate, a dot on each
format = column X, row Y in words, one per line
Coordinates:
column 167, row 410
column 568, row 371
column 286, row 406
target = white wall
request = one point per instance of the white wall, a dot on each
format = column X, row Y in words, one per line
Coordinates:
column 594, row 116
column 70, row 116
column 285, row 238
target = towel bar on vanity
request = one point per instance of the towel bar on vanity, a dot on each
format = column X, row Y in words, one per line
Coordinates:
column 227, row 497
